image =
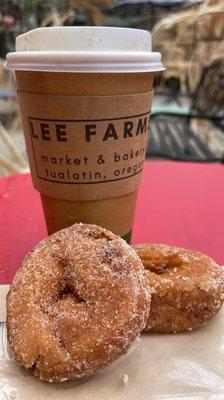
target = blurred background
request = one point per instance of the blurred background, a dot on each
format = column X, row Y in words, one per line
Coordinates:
column 187, row 121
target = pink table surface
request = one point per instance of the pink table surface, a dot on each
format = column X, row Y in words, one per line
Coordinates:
column 180, row 204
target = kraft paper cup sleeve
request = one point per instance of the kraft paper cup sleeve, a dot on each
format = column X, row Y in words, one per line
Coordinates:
column 186, row 366
column 86, row 147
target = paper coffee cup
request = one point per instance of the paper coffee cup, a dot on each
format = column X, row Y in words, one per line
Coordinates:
column 85, row 95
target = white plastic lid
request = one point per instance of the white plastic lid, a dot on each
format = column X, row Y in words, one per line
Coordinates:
column 85, row 49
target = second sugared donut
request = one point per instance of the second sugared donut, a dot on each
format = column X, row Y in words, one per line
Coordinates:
column 187, row 287
column 76, row 304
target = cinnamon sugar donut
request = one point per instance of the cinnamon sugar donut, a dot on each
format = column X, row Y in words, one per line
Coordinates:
column 187, row 287
column 76, row 304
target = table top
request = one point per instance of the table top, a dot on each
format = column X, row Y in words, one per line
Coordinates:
column 179, row 203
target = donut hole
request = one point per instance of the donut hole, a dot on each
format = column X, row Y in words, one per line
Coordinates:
column 157, row 265
column 158, row 269
column 171, row 263
column 153, row 261
column 175, row 261
column 67, row 291
column 163, row 266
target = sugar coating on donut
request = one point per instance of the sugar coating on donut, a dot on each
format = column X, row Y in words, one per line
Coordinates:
column 77, row 303
column 187, row 287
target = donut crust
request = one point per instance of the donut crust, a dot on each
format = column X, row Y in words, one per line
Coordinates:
column 187, row 287
column 77, row 303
